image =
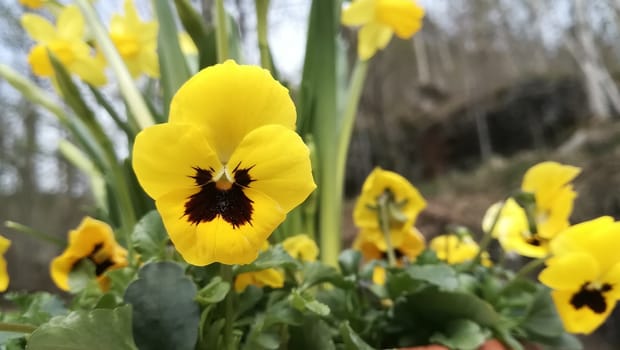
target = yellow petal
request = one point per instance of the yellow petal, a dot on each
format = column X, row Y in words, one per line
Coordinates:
column 40, row 29
column 4, row 275
column 90, row 70
column 412, row 245
column 553, row 217
column 582, row 320
column 70, row 23
column 228, row 101
column 378, row 275
column 279, row 164
column 403, row 16
column 546, row 178
column 570, row 272
column 301, row 247
column 217, row 240
column 375, row 185
column 359, row 12
column 4, row 245
column 269, row 277
column 367, row 247
column 372, row 37
column 164, row 156
column 453, row 249
column 149, row 63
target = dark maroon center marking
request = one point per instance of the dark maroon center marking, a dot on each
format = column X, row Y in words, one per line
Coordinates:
column 100, row 267
column 534, row 240
column 592, row 298
column 230, row 204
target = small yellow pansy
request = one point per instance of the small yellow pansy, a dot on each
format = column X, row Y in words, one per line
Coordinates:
column 584, row 274
column 379, row 20
column 406, row 201
column 66, row 42
column 33, row 4
column 136, row 41
column 371, row 243
column 264, row 278
column 92, row 240
column 228, row 166
column 549, row 183
column 4, row 274
column 455, row 249
column 301, row 247
column 379, row 275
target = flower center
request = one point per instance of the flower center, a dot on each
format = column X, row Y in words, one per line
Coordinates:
column 99, row 258
column 220, row 198
column 126, row 44
column 591, row 295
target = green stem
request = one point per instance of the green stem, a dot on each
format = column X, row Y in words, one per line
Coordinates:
column 227, row 276
column 333, row 170
column 16, row 327
column 529, row 267
column 261, row 27
column 384, row 222
column 221, row 31
column 488, row 235
column 34, row 233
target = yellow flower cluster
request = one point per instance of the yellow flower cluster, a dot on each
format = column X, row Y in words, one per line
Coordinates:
column 135, row 40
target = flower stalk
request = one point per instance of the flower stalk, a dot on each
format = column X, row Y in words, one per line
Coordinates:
column 383, row 206
column 262, row 6
column 16, row 328
column 227, row 275
column 221, row 31
column 34, row 233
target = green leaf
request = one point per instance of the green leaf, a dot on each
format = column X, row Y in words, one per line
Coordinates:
column 150, row 238
column 349, row 261
column 268, row 341
column 173, row 67
column 165, row 313
column 214, row 292
column 312, row 335
column 432, row 305
column 542, row 318
column 352, row 341
column 249, row 298
column 99, row 329
column 306, row 302
column 461, row 335
column 202, row 34
column 317, row 272
column 274, row 257
column 34, row 308
column 442, row 276
column 81, row 276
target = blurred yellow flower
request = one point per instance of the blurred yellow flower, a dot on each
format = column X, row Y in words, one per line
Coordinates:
column 33, row 4
column 455, row 249
column 379, row 275
column 228, row 166
column 66, row 43
column 4, row 274
column 301, row 247
column 584, row 273
column 371, row 243
column 93, row 240
column 379, row 20
column 264, row 278
column 188, row 47
column 136, row 41
column 549, row 182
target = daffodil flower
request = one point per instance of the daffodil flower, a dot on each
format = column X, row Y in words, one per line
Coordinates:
column 584, row 274
column 379, row 20
column 4, row 274
column 93, row 240
column 33, row 4
column 455, row 249
column 66, row 42
column 549, row 182
column 301, row 247
column 136, row 41
column 228, row 166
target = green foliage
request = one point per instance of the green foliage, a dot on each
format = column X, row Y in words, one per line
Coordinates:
column 149, row 237
column 461, row 334
column 99, row 329
column 275, row 257
column 165, row 313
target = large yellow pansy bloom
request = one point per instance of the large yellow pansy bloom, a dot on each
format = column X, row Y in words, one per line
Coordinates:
column 228, row 166
column 136, row 41
column 549, row 182
column 4, row 274
column 66, row 43
column 93, row 240
column 584, row 274
column 379, row 20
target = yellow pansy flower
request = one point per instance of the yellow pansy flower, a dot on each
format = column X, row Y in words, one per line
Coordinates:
column 379, row 275
column 66, row 43
column 379, row 20
column 92, row 240
column 407, row 202
column 301, row 247
column 455, row 249
column 264, row 278
column 4, row 274
column 549, row 182
column 33, row 4
column 136, row 41
column 228, row 166
column 371, row 243
column 584, row 274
